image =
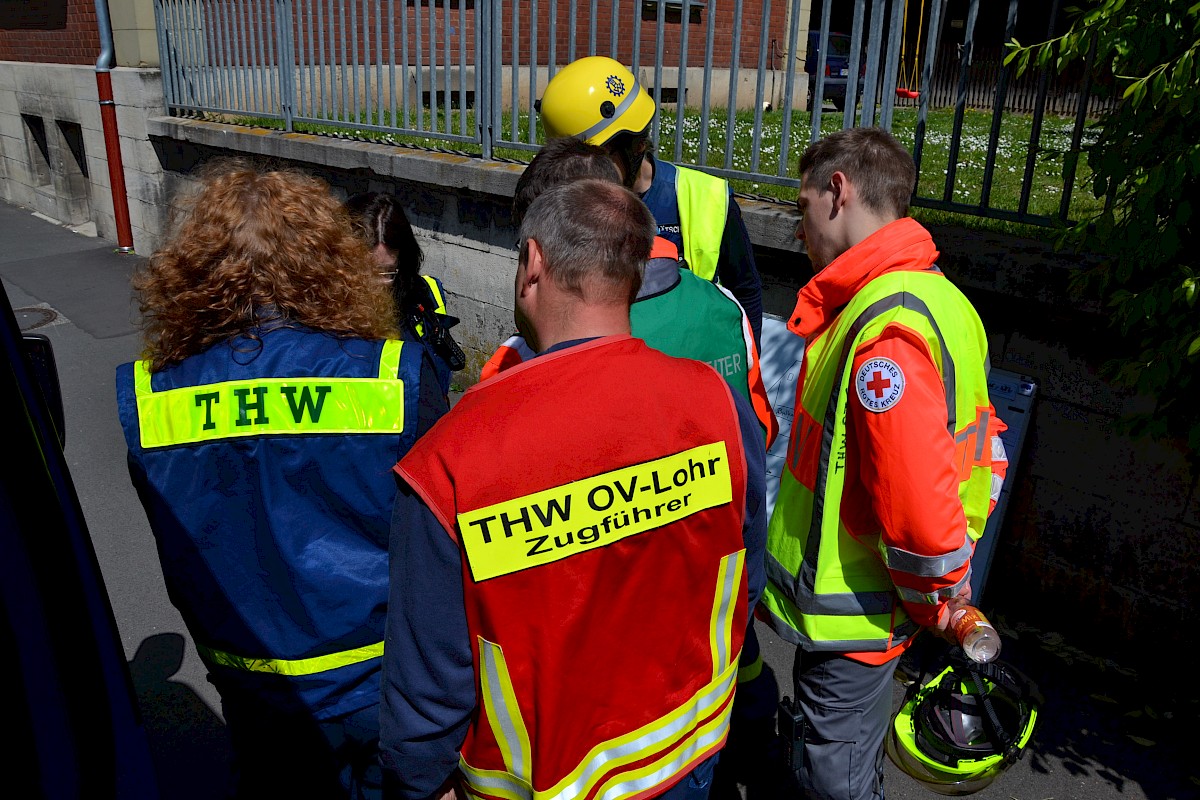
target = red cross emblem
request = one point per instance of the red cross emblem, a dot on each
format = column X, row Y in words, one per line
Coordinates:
column 879, row 383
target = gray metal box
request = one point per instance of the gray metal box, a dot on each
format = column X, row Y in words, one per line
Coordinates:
column 1012, row 395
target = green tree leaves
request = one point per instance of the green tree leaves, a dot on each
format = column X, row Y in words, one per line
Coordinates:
column 1146, row 165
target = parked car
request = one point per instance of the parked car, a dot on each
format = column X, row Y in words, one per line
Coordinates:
column 837, row 68
column 72, row 716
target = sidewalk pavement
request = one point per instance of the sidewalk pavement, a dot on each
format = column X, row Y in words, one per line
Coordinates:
column 1104, row 733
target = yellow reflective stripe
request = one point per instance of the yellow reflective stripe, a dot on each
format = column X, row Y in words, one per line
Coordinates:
column 678, row 736
column 439, row 301
column 720, row 626
column 141, row 378
column 594, row 512
column 635, row 782
column 503, row 713
column 301, row 666
column 492, row 782
column 750, row 671
column 389, row 360
column 658, row 736
column 271, row 406
column 674, row 740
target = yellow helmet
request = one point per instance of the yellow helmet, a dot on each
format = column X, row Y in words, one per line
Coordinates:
column 594, row 98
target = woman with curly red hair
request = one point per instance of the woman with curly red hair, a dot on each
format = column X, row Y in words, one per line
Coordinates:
column 263, row 420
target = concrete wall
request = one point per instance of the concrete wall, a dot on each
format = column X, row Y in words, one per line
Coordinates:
column 64, row 174
column 134, row 36
column 1102, row 532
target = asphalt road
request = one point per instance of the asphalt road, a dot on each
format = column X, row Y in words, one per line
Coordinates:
column 1104, row 734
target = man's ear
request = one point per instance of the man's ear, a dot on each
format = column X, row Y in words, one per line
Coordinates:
column 535, row 266
column 841, row 188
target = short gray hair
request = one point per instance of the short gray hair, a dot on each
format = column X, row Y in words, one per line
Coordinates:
column 595, row 237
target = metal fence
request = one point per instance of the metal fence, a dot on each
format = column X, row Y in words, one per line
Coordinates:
column 727, row 76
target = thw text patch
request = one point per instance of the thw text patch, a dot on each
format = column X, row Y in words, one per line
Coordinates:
column 567, row 520
column 270, row 407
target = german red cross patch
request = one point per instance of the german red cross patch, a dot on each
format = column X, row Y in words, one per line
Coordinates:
column 879, row 384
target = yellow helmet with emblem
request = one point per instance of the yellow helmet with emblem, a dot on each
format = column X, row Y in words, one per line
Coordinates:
column 595, row 98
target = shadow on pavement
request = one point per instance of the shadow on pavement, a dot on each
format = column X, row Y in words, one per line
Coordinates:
column 188, row 741
column 1103, row 731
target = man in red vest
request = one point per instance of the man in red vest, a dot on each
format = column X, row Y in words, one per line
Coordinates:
column 580, row 548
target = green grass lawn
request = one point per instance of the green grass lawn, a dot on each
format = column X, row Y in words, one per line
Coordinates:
column 1011, row 154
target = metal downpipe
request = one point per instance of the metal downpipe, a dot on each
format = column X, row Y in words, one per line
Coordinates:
column 108, row 121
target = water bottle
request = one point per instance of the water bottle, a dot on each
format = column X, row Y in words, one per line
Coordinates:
column 979, row 640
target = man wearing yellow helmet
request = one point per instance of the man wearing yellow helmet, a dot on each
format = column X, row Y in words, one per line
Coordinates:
column 600, row 101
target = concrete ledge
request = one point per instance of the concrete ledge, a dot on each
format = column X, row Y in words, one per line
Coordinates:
column 418, row 166
column 1028, row 269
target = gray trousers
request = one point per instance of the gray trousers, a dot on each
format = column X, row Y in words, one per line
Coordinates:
column 847, row 706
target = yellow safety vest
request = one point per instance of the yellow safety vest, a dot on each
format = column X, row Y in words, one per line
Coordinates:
column 828, row 590
column 703, row 206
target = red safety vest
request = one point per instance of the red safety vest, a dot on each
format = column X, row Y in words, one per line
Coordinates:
column 600, row 517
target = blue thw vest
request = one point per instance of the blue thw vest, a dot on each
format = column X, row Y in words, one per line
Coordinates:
column 265, row 471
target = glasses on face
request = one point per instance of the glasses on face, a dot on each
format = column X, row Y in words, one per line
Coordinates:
column 391, row 276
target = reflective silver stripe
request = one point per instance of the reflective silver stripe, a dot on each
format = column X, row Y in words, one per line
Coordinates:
column 984, row 420
column 698, row 709
column 626, row 102
column 900, row 633
column 933, row 598
column 512, row 738
column 781, row 577
column 849, row 604
column 928, row 566
column 506, row 723
column 998, row 451
column 724, row 607
column 618, row 791
column 978, row 429
column 494, row 783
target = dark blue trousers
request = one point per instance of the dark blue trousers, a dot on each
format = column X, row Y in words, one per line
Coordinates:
column 279, row 754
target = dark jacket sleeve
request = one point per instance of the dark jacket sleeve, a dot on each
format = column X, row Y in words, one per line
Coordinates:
column 432, row 404
column 428, row 684
column 737, row 270
column 754, row 528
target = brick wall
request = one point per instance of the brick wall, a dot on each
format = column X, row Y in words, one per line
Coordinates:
column 49, row 31
column 243, row 34
column 722, row 24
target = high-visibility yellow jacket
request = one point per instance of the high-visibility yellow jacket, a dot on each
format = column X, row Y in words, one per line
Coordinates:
column 895, row 458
